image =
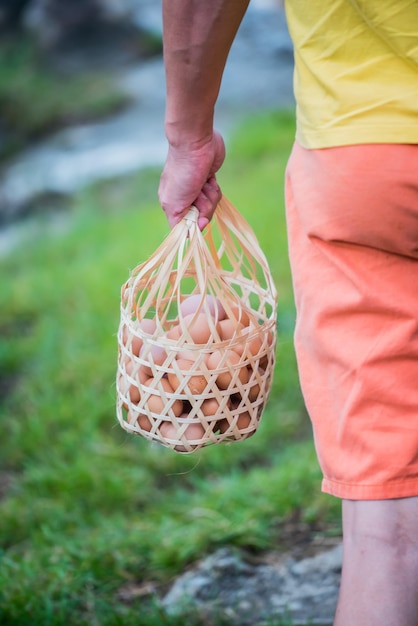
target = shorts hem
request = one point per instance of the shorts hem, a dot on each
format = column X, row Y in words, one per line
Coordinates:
column 389, row 491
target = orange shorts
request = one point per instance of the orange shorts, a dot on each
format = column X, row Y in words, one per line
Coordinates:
column 353, row 239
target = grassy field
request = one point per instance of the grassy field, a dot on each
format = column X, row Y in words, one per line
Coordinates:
column 87, row 511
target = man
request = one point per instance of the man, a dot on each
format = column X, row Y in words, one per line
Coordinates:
column 352, row 210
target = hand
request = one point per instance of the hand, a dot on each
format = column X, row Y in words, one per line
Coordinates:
column 188, row 178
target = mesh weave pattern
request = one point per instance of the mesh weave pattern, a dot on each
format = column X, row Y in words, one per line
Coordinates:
column 197, row 336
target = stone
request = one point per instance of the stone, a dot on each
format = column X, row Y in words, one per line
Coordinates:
column 227, row 588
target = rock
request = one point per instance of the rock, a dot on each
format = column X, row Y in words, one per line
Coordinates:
column 225, row 586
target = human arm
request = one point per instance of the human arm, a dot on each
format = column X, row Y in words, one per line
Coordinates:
column 197, row 36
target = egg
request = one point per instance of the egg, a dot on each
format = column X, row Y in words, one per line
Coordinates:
column 158, row 400
column 130, row 340
column 224, row 379
column 254, row 391
column 250, row 347
column 126, row 386
column 154, row 355
column 192, row 355
column 193, row 432
column 195, row 383
column 192, row 303
column 148, row 326
column 228, row 328
column 198, row 327
column 141, row 420
column 174, row 333
column 210, row 407
column 240, row 315
column 243, row 421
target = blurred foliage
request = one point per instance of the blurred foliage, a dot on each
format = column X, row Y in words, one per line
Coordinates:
column 36, row 99
column 88, row 510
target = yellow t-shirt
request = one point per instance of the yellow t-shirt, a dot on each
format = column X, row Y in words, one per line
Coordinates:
column 356, row 71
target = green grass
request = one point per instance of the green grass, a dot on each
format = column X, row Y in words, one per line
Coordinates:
column 34, row 99
column 88, row 510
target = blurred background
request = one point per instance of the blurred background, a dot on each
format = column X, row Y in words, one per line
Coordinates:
column 97, row 525
column 82, row 91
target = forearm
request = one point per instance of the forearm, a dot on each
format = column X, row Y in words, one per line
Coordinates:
column 198, row 35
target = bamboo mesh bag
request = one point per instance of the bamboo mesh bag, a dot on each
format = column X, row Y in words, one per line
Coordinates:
column 197, row 336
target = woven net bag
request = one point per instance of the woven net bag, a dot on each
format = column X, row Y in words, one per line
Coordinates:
column 197, row 336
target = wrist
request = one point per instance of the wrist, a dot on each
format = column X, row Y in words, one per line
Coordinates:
column 192, row 131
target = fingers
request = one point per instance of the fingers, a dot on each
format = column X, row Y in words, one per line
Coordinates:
column 207, row 201
column 188, row 178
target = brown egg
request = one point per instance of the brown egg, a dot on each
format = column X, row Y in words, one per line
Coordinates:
column 126, row 386
column 252, row 347
column 264, row 362
column 228, row 328
column 224, row 379
column 192, row 355
column 174, row 333
column 198, row 327
column 193, row 432
column 141, row 420
column 154, row 355
column 241, row 315
column 157, row 403
column 243, row 422
column 255, row 388
column 195, row 383
column 254, row 392
column 210, row 407
column 135, row 342
column 191, row 304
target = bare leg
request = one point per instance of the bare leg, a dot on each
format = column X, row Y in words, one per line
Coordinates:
column 379, row 584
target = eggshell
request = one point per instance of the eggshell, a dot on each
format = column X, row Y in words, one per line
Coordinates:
column 140, row 419
column 210, row 407
column 126, row 386
column 198, row 327
column 243, row 422
column 192, row 303
column 174, row 333
column 240, row 315
column 155, row 354
column 192, row 355
column 195, row 384
column 224, row 379
column 148, row 326
column 135, row 344
column 156, row 403
column 254, row 391
column 227, row 328
column 193, row 432
column 252, row 347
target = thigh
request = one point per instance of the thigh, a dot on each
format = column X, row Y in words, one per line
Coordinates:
column 353, row 241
